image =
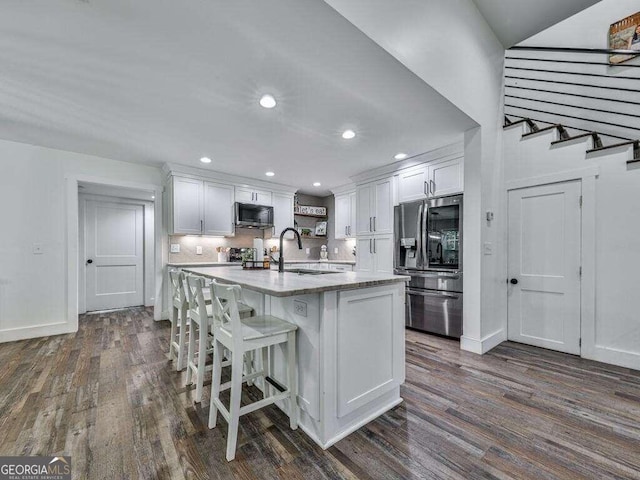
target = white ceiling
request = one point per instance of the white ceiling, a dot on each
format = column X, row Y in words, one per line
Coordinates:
column 516, row 20
column 157, row 81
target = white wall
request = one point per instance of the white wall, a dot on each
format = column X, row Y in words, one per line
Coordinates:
column 587, row 29
column 33, row 288
column 611, row 229
column 452, row 48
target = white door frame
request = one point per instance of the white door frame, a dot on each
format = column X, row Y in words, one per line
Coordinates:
column 72, row 183
column 148, row 242
column 588, row 178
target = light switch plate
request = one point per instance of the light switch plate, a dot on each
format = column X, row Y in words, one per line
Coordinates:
column 308, row 250
column 300, row 308
column 175, row 248
column 38, row 249
column 488, row 248
column 198, row 250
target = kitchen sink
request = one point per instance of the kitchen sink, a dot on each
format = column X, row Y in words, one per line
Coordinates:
column 306, row 271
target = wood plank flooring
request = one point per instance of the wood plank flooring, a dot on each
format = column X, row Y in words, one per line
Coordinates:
column 108, row 397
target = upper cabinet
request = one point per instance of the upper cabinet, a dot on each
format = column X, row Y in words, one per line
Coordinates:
column 201, row 208
column 253, row 196
column 282, row 214
column 187, row 201
column 434, row 180
column 218, row 209
column 345, row 215
column 374, row 207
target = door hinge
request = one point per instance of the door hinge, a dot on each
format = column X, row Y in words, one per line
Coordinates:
column 579, row 342
column 580, row 201
column 580, row 272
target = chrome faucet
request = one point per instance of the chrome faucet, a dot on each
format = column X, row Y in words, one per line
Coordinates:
column 281, row 259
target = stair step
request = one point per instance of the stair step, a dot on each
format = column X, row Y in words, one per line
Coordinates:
column 582, row 135
column 636, row 149
column 545, row 129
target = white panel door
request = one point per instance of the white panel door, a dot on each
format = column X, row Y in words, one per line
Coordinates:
column 187, row 206
column 218, row 209
column 383, row 251
column 114, row 239
column 544, row 266
column 365, row 258
column 413, row 184
column 383, row 212
column 364, row 216
column 342, row 216
column 447, row 178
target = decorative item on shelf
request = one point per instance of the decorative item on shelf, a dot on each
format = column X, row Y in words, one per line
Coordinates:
column 305, row 232
column 321, row 229
column 324, row 255
column 311, row 211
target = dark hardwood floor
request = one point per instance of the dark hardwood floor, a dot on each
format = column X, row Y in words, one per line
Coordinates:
column 108, row 397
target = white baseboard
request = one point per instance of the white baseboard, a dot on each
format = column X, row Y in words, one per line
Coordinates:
column 485, row 344
column 35, row 331
column 613, row 357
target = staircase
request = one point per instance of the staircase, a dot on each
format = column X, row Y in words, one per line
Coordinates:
column 575, row 92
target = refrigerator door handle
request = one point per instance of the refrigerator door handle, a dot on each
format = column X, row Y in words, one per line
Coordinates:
column 419, row 234
column 423, row 235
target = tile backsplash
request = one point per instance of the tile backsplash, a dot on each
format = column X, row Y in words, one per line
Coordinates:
column 244, row 239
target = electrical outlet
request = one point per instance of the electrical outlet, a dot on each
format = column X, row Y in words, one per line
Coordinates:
column 175, row 248
column 300, row 308
column 335, row 251
column 308, row 250
column 488, row 248
column 198, row 250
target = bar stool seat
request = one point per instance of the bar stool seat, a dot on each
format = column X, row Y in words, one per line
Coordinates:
column 240, row 336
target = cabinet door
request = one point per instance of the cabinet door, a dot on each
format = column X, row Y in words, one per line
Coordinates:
column 352, row 217
column 383, row 212
column 365, row 259
column 218, row 209
column 263, row 198
column 282, row 215
column 383, row 252
column 413, row 184
column 244, row 195
column 363, row 209
column 342, row 216
column 447, row 178
column 187, row 206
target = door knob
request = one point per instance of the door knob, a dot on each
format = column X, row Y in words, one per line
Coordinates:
column 89, row 261
column 514, row 281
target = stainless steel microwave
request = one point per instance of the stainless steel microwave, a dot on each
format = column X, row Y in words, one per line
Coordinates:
column 253, row 216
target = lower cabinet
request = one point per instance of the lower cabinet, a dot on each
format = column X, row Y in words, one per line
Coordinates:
column 374, row 254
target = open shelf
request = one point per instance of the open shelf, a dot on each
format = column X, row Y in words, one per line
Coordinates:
column 309, row 215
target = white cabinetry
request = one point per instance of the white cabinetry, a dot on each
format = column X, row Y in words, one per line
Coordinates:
column 434, row 180
column 253, row 196
column 218, row 209
column 282, row 215
column 201, row 208
column 187, row 206
column 375, row 254
column 374, row 208
column 345, row 216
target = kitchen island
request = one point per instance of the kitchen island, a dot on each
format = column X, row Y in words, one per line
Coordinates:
column 350, row 341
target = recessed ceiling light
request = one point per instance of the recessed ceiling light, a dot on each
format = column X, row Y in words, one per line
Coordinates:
column 267, row 101
column 153, row 197
column 205, row 160
column 317, row 184
column 401, row 156
column 348, row 134
column 269, row 174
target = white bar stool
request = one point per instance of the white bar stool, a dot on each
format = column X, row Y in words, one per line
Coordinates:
column 241, row 336
column 179, row 320
column 201, row 319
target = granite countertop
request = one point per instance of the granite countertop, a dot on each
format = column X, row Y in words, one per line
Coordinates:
column 204, row 264
column 335, row 262
column 287, row 284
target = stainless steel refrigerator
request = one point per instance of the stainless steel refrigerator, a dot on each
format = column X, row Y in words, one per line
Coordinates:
column 428, row 247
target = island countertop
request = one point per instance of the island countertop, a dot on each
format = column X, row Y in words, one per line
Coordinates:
column 271, row 282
